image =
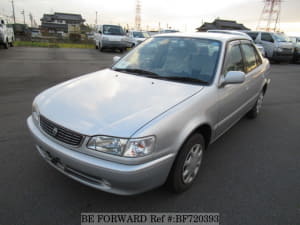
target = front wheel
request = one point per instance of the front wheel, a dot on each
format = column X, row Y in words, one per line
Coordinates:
column 187, row 164
column 253, row 113
column 6, row 45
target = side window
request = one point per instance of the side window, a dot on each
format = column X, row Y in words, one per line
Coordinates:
column 253, row 35
column 234, row 60
column 266, row 37
column 250, row 57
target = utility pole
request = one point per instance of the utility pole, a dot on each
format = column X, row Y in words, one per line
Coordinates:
column 13, row 9
column 96, row 18
column 31, row 19
column 138, row 15
column 23, row 13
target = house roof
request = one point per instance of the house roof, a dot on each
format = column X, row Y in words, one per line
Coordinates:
column 222, row 25
column 62, row 16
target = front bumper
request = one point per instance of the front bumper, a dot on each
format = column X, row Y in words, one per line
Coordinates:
column 282, row 56
column 114, row 44
column 101, row 174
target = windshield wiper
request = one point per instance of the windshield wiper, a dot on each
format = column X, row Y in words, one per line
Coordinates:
column 139, row 71
column 150, row 74
column 187, row 79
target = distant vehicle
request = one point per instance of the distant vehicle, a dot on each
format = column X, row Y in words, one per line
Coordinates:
column 111, row 37
column 7, row 36
column 258, row 46
column 90, row 36
column 296, row 43
column 152, row 33
column 137, row 37
column 149, row 118
column 276, row 45
column 35, row 33
column 168, row 31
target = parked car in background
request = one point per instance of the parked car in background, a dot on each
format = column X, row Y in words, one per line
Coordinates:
column 168, row 31
column 149, row 118
column 7, row 36
column 137, row 37
column 111, row 37
column 35, row 33
column 258, row 46
column 296, row 43
column 152, row 33
column 276, row 45
column 90, row 36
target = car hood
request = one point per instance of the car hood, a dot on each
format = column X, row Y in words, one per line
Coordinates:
column 111, row 103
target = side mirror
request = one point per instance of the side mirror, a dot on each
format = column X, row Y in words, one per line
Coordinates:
column 100, row 32
column 233, row 77
column 116, row 59
column 2, row 21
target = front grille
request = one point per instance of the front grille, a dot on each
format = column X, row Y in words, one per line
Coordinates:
column 60, row 133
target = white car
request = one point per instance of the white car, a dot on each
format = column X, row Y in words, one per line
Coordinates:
column 258, row 46
column 6, row 35
column 137, row 37
column 111, row 37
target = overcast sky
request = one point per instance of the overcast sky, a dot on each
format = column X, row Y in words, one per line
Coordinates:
column 184, row 15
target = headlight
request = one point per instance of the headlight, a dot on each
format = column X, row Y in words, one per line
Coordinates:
column 35, row 113
column 123, row 147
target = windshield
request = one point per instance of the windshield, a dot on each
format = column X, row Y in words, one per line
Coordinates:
column 140, row 34
column 280, row 38
column 113, row 30
column 176, row 57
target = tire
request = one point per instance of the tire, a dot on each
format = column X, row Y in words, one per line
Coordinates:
column 187, row 164
column 6, row 45
column 253, row 113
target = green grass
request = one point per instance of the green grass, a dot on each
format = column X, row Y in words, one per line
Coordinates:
column 52, row 45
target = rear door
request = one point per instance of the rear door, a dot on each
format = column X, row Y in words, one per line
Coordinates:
column 254, row 71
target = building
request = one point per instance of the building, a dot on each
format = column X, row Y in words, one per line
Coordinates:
column 219, row 24
column 58, row 22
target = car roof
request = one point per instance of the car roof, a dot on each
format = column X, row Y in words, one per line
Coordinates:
column 206, row 35
column 230, row 32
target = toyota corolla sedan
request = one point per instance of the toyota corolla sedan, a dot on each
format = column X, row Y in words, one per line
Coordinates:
column 147, row 120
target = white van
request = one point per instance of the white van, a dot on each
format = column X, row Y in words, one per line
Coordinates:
column 277, row 46
column 111, row 37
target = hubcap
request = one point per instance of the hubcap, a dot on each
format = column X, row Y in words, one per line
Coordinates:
column 259, row 102
column 192, row 164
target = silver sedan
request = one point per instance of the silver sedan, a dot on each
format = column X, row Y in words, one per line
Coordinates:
column 148, row 119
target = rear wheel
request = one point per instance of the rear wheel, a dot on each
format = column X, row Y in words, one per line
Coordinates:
column 187, row 164
column 253, row 113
